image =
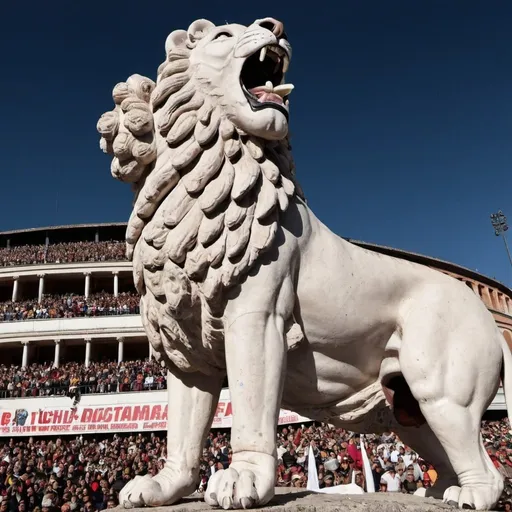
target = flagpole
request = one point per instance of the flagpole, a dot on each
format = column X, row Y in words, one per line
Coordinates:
column 368, row 474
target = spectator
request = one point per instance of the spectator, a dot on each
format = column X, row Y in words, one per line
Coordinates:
column 409, row 486
column 392, row 480
column 289, row 458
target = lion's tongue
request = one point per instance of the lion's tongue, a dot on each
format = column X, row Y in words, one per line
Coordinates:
column 264, row 97
column 269, row 93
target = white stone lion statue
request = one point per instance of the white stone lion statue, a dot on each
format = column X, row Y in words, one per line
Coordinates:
column 238, row 277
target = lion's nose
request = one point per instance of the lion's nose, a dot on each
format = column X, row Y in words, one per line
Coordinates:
column 275, row 26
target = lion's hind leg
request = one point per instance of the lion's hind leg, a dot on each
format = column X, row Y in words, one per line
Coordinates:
column 425, row 443
column 480, row 485
column 451, row 363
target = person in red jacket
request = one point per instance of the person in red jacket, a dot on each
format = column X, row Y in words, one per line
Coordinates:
column 354, row 452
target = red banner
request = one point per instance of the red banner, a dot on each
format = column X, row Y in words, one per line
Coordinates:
column 110, row 418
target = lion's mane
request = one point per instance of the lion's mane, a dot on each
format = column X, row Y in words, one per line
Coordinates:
column 207, row 202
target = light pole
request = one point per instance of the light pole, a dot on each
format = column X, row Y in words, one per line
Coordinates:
column 499, row 223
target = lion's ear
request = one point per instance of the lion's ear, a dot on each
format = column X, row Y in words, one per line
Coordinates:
column 176, row 39
column 199, row 29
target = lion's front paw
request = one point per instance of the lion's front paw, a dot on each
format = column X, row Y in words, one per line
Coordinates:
column 479, row 497
column 249, row 482
column 162, row 489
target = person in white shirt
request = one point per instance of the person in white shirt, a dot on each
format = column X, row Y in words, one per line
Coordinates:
column 281, row 450
column 148, row 382
column 394, row 456
column 392, row 480
column 398, row 452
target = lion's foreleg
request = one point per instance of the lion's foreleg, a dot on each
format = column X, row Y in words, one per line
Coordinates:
column 193, row 399
column 255, row 357
column 256, row 351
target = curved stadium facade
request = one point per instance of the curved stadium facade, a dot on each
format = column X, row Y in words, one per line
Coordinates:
column 68, row 306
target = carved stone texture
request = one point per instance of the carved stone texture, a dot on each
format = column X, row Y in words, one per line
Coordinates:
column 305, row 502
column 238, row 277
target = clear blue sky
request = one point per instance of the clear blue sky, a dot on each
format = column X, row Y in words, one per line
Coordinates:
column 401, row 117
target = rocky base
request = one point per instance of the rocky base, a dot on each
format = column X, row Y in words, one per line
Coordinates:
column 309, row 502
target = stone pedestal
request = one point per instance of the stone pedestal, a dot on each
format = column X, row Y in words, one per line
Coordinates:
column 288, row 500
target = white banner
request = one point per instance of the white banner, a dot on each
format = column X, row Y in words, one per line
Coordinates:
column 35, row 417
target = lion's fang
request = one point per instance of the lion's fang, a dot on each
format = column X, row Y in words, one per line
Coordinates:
column 263, row 53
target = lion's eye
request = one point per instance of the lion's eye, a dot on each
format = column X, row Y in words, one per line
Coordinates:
column 222, row 35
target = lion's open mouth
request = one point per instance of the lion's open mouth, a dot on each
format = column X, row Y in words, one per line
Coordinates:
column 262, row 79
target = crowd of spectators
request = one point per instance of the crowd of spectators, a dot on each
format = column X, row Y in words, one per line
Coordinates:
column 22, row 255
column 72, row 378
column 85, row 475
column 69, row 252
column 70, row 306
column 75, row 252
column 395, row 467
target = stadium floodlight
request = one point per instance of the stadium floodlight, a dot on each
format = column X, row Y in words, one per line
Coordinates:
column 499, row 223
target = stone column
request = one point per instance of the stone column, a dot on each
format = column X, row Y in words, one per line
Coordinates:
column 503, row 303
column 150, row 351
column 97, row 236
column 15, row 288
column 120, row 349
column 24, row 358
column 87, row 284
column 56, row 359
column 87, row 352
column 495, row 299
column 486, row 297
column 116, row 283
column 41, row 287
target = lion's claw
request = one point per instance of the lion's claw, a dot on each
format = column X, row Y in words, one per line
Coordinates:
column 163, row 489
column 245, row 485
column 246, row 503
column 227, row 503
column 232, row 490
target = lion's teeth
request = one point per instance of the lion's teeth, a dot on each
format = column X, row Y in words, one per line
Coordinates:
column 270, row 86
column 263, row 53
column 286, row 64
column 283, row 90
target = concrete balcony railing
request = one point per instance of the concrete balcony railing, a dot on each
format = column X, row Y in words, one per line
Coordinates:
column 62, row 328
column 498, row 404
column 64, row 268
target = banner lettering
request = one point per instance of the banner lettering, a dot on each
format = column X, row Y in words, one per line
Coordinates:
column 118, row 418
